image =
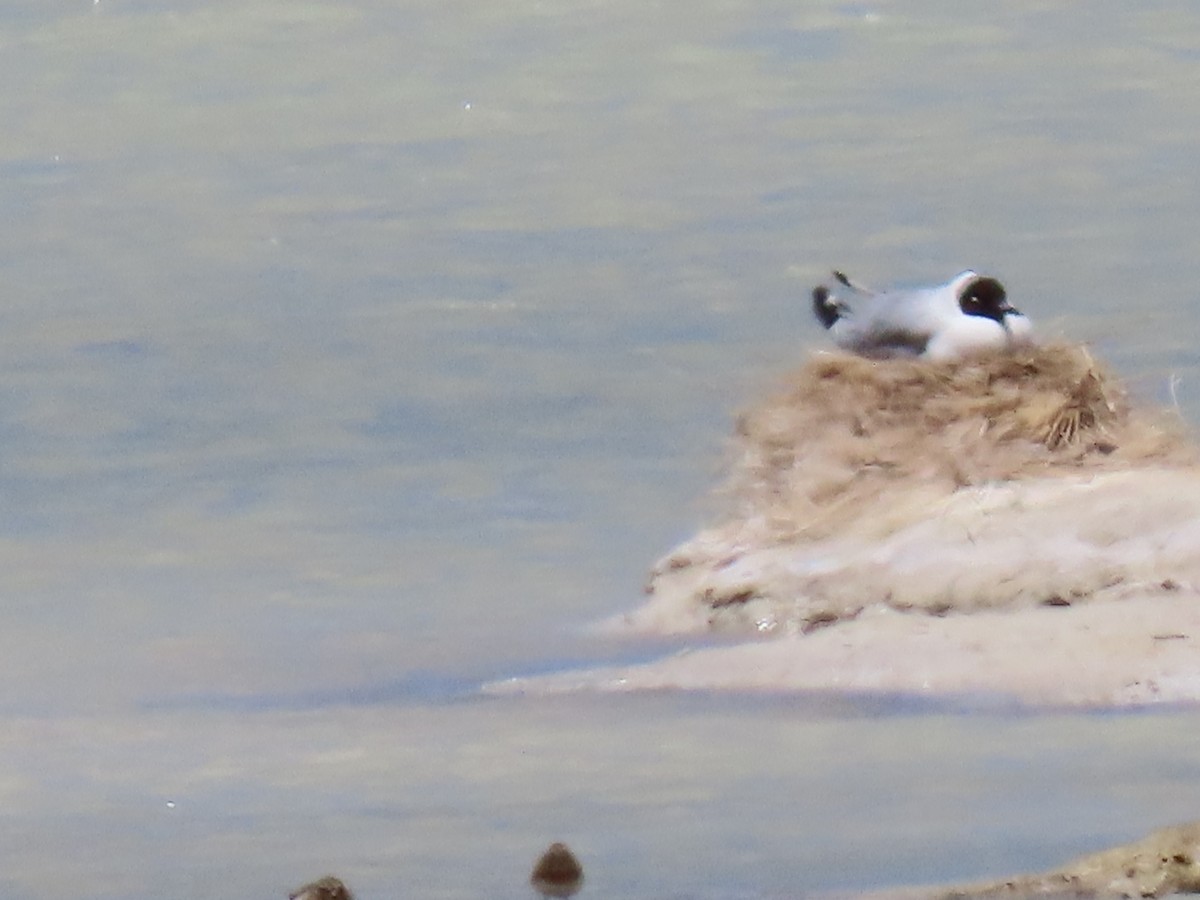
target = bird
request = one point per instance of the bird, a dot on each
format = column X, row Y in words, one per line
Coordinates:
column 965, row 315
column 327, row 888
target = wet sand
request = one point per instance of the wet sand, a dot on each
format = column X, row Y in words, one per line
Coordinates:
column 1116, row 653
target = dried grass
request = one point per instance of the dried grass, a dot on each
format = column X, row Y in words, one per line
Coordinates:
column 849, row 436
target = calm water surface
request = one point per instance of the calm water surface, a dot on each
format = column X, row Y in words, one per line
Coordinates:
column 355, row 353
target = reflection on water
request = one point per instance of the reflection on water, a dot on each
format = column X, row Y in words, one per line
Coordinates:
column 352, row 352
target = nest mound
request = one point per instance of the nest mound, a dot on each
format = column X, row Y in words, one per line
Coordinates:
column 847, row 432
column 1005, row 481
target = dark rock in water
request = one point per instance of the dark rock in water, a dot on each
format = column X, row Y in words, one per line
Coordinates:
column 557, row 873
column 327, row 888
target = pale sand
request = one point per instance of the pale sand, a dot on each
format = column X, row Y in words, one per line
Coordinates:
column 1108, row 653
column 1008, row 527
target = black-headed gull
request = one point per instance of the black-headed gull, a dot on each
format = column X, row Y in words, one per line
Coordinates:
column 969, row 313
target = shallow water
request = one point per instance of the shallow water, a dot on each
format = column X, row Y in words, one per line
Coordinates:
column 357, row 353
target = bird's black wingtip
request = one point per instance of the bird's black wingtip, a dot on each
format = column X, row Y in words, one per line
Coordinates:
column 824, row 306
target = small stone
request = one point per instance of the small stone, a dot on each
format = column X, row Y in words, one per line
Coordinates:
column 327, row 888
column 557, row 873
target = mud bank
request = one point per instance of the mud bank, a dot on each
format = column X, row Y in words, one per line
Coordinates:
column 1009, row 525
column 1160, row 864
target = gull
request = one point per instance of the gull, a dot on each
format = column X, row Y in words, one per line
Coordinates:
column 965, row 315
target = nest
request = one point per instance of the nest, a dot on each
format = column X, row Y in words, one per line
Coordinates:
column 848, row 435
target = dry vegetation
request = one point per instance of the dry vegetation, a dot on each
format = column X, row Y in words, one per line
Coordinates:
column 847, row 433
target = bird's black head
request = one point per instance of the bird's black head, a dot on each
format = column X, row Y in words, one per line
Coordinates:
column 985, row 297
